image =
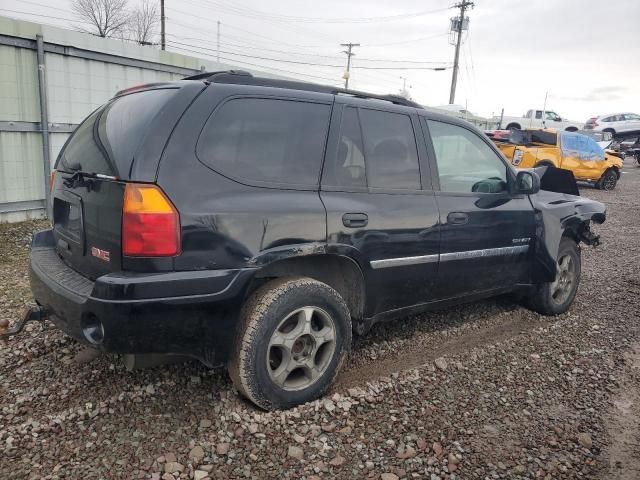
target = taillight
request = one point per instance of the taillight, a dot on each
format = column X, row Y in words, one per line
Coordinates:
column 595, row 123
column 150, row 223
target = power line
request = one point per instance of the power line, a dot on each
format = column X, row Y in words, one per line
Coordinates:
column 296, row 62
column 37, row 15
column 291, row 52
column 413, row 40
column 264, row 67
column 242, row 10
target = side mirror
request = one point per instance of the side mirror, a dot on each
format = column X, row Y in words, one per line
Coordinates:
column 527, row 182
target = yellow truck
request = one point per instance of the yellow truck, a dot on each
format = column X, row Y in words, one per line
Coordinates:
column 569, row 150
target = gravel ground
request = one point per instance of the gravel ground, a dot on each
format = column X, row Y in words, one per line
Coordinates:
column 487, row 390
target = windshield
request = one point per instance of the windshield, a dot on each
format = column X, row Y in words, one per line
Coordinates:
column 108, row 139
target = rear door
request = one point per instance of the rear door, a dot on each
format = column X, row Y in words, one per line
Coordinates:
column 380, row 204
column 486, row 232
column 91, row 172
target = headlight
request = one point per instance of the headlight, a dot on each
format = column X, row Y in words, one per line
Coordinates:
column 517, row 157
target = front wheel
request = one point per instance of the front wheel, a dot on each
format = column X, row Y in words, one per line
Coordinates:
column 293, row 336
column 554, row 298
column 608, row 181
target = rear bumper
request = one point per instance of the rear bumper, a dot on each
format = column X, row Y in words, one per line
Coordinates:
column 190, row 313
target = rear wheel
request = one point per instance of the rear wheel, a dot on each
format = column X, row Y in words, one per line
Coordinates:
column 513, row 126
column 554, row 298
column 293, row 336
column 608, row 181
column 545, row 163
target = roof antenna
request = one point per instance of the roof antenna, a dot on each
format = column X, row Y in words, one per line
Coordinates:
column 544, row 110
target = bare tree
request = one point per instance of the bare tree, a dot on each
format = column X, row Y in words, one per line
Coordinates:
column 144, row 22
column 107, row 18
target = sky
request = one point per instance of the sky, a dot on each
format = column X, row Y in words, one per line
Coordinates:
column 583, row 54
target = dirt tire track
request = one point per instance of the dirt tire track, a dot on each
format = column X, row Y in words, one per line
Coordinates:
column 494, row 334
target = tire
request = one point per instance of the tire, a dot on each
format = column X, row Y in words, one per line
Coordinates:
column 571, row 129
column 554, row 298
column 544, row 163
column 513, row 126
column 272, row 365
column 608, row 180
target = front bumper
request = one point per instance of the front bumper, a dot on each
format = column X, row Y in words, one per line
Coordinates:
column 190, row 313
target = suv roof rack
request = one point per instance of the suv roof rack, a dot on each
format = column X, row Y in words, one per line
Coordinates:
column 241, row 77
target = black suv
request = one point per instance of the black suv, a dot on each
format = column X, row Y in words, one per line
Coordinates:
column 259, row 222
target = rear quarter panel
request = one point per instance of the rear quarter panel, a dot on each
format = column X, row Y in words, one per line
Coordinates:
column 227, row 224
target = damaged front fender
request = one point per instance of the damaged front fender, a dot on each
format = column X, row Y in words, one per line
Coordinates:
column 560, row 214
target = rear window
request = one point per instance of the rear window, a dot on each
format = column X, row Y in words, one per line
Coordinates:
column 525, row 137
column 108, row 139
column 266, row 141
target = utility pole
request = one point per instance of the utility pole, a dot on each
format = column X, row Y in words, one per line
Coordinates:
column 163, row 44
column 404, row 92
column 463, row 5
column 349, row 55
column 218, row 49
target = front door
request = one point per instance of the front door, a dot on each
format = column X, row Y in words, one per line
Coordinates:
column 380, row 206
column 486, row 232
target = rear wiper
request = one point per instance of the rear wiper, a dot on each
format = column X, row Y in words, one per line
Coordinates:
column 79, row 178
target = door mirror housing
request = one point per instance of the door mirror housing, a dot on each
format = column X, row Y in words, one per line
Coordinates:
column 527, row 182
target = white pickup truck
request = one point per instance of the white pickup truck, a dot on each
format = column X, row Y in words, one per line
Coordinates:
column 537, row 119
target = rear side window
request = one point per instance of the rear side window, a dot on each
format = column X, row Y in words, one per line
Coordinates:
column 376, row 149
column 390, row 150
column 262, row 140
column 107, row 141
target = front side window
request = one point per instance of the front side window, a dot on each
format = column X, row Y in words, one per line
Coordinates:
column 266, row 140
column 552, row 116
column 466, row 164
column 631, row 116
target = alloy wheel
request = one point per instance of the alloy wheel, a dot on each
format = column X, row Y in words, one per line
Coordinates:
column 565, row 280
column 301, row 348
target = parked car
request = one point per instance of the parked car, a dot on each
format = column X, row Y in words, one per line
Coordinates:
column 259, row 222
column 536, row 119
column 568, row 150
column 614, row 123
column 604, row 139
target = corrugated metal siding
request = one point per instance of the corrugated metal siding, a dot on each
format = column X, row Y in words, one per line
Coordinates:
column 56, row 142
column 21, row 169
column 75, row 87
column 18, row 85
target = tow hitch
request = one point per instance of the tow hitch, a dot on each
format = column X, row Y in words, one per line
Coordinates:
column 31, row 314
